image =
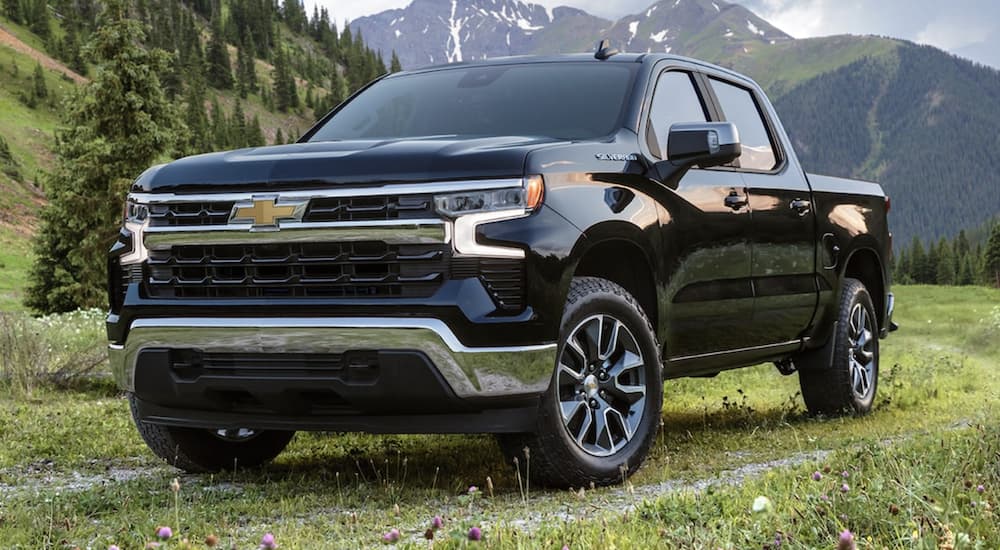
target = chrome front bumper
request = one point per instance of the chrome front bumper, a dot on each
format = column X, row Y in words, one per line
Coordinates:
column 471, row 372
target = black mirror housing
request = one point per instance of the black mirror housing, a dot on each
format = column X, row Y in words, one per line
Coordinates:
column 703, row 144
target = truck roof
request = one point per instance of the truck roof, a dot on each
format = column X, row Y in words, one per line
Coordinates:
column 624, row 57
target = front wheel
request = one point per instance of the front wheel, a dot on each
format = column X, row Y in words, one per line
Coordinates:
column 848, row 384
column 602, row 410
column 196, row 450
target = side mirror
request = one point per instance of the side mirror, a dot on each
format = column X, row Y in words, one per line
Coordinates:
column 702, row 144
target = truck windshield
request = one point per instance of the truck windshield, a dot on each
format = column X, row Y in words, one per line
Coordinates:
column 573, row 101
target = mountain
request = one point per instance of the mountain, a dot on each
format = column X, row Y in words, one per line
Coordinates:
column 920, row 121
column 443, row 31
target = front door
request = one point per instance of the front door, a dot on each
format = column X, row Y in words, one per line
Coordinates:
column 706, row 229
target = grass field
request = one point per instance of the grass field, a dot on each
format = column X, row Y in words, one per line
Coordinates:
column 920, row 472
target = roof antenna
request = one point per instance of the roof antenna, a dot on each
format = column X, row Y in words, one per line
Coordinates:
column 604, row 50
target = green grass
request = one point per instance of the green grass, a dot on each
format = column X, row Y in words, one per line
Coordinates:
column 74, row 472
column 15, row 261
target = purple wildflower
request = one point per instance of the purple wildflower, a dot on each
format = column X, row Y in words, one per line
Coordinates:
column 824, row 497
column 844, row 474
column 113, row 547
column 267, row 542
column 844, row 488
column 473, row 489
column 437, row 522
column 164, row 533
column 846, row 541
column 817, row 476
column 475, row 534
column 980, row 489
column 391, row 536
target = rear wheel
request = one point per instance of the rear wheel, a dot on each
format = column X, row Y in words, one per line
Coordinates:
column 198, row 450
column 602, row 410
column 848, row 384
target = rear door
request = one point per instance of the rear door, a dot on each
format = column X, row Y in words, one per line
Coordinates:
column 782, row 226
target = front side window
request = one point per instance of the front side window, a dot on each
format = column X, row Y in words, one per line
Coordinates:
column 674, row 100
column 573, row 101
column 739, row 107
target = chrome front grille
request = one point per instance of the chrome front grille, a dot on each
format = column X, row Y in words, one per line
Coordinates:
column 329, row 269
column 389, row 207
column 188, row 214
column 321, row 209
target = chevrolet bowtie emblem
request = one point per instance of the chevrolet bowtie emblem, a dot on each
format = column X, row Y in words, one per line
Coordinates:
column 265, row 213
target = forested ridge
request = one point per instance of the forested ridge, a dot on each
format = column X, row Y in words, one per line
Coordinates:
column 153, row 75
column 919, row 121
column 239, row 72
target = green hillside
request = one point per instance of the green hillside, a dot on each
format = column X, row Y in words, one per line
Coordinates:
column 918, row 120
column 241, row 73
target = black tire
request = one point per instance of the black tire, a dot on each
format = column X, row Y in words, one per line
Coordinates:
column 846, row 385
column 196, row 450
column 554, row 457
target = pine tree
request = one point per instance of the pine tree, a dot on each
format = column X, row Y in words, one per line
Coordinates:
column 286, row 96
column 394, row 65
column 255, row 136
column 8, row 164
column 918, row 261
column 221, row 138
column 117, row 125
column 38, row 19
column 279, row 138
column 246, row 69
column 197, row 138
column 945, row 273
column 219, row 72
column 966, row 271
column 238, row 126
column 39, row 90
column 12, row 9
column 72, row 52
column 991, row 258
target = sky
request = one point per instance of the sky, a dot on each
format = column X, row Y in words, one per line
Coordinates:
column 969, row 28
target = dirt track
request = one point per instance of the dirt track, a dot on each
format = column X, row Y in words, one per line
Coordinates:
column 8, row 39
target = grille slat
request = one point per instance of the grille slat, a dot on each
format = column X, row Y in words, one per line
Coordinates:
column 380, row 208
column 297, row 270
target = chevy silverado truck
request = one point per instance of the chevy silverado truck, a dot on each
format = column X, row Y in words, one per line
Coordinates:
column 525, row 246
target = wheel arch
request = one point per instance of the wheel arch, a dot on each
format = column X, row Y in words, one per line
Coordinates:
column 863, row 263
column 616, row 254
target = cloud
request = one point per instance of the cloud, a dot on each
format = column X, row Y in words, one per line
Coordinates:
column 955, row 32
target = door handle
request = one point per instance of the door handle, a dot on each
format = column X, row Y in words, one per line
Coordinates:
column 735, row 201
column 800, row 206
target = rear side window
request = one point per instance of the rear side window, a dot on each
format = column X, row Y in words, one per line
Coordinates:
column 739, row 107
column 674, row 100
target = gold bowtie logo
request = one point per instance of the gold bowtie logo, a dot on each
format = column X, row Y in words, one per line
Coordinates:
column 265, row 213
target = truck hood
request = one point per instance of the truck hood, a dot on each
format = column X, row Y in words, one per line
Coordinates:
column 305, row 165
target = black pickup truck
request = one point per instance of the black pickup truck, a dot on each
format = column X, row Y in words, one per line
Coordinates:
column 524, row 246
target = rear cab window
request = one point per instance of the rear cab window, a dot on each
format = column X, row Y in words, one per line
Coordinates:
column 739, row 106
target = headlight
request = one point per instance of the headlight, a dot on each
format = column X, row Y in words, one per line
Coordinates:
column 135, row 212
column 136, row 219
column 524, row 198
column 472, row 208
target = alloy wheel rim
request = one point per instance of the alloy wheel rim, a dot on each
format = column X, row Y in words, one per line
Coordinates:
column 602, row 385
column 862, row 352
